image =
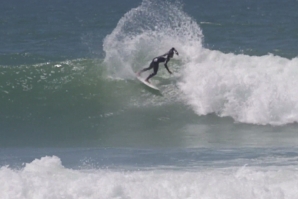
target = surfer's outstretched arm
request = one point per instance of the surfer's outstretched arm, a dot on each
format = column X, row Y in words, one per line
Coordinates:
column 169, row 55
column 166, row 65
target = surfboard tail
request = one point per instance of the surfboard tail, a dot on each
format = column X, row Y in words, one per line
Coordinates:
column 147, row 83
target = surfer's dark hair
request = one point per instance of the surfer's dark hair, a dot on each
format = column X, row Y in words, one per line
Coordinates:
column 173, row 50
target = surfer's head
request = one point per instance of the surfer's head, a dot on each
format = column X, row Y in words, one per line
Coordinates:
column 171, row 52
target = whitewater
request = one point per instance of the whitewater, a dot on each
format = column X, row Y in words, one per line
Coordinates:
column 48, row 178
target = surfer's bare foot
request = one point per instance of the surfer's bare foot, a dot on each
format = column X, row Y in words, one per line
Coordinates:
column 147, row 80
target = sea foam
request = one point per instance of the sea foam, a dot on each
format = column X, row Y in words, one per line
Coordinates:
column 48, row 178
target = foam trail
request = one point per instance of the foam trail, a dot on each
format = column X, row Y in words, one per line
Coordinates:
column 250, row 89
column 146, row 32
column 48, row 178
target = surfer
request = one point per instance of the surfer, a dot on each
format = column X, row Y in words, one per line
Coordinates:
column 155, row 63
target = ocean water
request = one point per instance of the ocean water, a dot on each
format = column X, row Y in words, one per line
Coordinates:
column 75, row 122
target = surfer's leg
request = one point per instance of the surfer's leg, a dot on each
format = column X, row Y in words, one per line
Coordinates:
column 145, row 69
column 155, row 69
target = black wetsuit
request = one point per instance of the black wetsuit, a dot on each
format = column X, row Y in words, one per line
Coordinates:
column 154, row 64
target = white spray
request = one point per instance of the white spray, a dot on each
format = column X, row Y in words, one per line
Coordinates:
column 146, row 32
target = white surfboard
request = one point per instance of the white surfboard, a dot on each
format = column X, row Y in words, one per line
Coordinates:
column 147, row 83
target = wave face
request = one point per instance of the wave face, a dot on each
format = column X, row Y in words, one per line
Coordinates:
column 250, row 89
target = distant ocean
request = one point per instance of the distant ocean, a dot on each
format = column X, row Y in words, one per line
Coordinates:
column 76, row 124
